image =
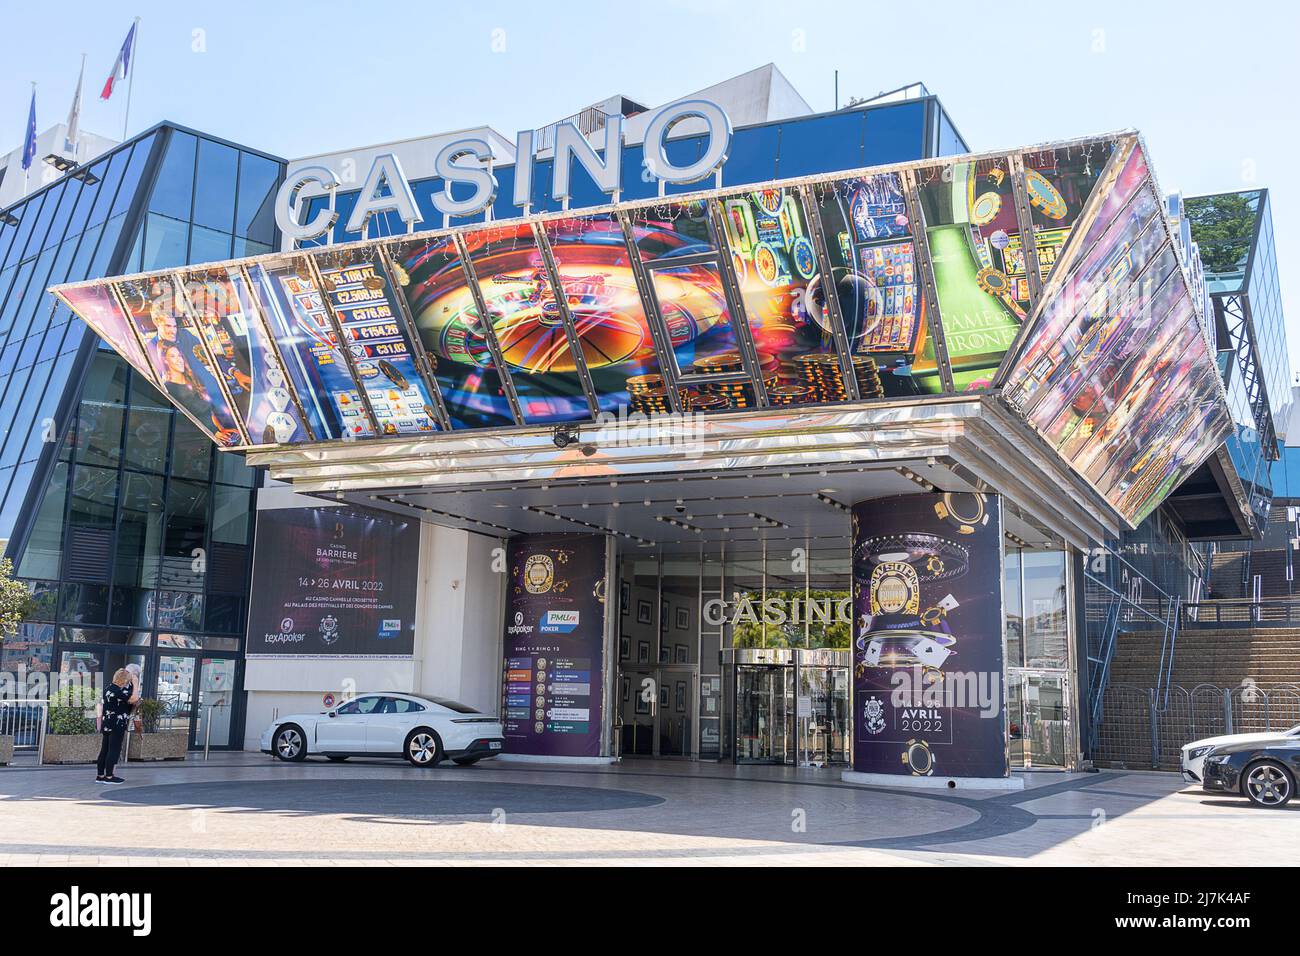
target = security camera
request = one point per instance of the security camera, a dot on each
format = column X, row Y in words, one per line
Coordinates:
column 564, row 436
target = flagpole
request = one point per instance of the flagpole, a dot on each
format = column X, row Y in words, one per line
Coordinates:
column 130, row 83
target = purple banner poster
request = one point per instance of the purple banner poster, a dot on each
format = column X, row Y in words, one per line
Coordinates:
column 553, row 667
column 927, row 636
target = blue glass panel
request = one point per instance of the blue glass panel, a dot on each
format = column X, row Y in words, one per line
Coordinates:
column 255, row 212
column 173, row 191
column 214, row 193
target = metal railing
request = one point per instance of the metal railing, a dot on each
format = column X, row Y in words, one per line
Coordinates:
column 1140, row 732
column 25, row 721
column 1236, row 612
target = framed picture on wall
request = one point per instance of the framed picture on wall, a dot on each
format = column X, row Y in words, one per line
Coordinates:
column 627, row 689
column 624, row 648
column 643, row 652
column 625, row 598
column 643, row 612
column 680, row 697
column 663, row 696
column 663, row 617
column 683, row 654
column 664, row 654
column 642, row 705
column 683, row 622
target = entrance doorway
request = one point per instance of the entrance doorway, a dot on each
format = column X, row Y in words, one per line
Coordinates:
column 787, row 706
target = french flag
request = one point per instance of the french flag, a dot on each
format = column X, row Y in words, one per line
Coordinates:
column 121, row 66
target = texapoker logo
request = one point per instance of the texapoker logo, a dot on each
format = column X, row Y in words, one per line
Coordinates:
column 559, row 622
column 76, row 909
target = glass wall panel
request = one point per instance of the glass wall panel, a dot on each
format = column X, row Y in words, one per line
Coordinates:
column 775, row 266
column 873, row 269
column 214, row 200
column 592, row 260
column 173, row 191
column 318, row 367
column 526, row 319
column 246, row 360
column 375, row 332
column 970, row 225
column 454, row 337
column 1058, row 183
column 176, row 354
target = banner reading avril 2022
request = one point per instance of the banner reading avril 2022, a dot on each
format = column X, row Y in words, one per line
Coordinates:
column 927, row 636
column 554, row 645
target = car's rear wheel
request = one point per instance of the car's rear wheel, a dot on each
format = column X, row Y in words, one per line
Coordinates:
column 465, row 761
column 290, row 743
column 1266, row 783
column 422, row 748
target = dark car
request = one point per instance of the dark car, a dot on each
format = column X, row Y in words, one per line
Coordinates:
column 1262, row 771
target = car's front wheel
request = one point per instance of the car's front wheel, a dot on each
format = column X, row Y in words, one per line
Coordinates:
column 423, row 748
column 1268, row 784
column 290, row 743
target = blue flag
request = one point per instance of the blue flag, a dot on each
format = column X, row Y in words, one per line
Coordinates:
column 29, row 144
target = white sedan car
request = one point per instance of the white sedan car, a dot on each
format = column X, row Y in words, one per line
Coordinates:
column 1194, row 754
column 424, row 730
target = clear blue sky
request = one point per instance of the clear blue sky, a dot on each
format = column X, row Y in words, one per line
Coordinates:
column 1211, row 85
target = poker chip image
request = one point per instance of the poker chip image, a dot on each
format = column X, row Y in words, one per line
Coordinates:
column 993, row 281
column 805, row 262
column 1043, row 195
column 999, row 239
column 985, row 208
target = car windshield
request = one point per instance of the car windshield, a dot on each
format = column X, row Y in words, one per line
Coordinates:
column 455, row 705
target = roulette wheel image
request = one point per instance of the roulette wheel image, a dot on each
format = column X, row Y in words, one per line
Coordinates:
column 765, row 263
column 805, row 262
column 1043, row 196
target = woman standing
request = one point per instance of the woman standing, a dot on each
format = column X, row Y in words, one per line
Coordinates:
column 113, row 713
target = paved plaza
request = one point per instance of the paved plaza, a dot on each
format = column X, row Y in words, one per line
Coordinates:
column 246, row 809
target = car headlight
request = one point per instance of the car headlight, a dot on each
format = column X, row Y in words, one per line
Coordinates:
column 1218, row 759
column 1198, row 752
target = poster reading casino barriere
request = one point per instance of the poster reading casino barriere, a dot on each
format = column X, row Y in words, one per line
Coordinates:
column 333, row 583
column 554, row 645
column 927, row 636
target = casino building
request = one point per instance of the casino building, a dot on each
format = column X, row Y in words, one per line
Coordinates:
column 719, row 429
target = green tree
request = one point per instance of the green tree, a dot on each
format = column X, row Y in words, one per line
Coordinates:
column 1223, row 227
column 15, row 600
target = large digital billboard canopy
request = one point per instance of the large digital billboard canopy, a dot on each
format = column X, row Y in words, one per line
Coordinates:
column 1049, row 273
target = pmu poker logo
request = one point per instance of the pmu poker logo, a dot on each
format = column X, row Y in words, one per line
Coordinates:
column 558, row 622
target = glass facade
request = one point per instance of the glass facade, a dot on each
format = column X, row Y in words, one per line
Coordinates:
column 1234, row 232
column 133, row 531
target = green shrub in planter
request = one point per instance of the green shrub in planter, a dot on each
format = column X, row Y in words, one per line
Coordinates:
column 68, row 710
column 150, row 711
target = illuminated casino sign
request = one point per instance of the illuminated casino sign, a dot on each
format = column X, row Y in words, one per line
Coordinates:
column 468, row 162
column 1046, row 279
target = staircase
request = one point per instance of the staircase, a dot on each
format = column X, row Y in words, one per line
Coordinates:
column 1222, row 656
column 1252, row 667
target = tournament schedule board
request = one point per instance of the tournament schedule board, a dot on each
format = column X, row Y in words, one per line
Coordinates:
column 553, row 662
